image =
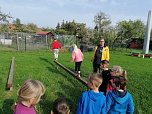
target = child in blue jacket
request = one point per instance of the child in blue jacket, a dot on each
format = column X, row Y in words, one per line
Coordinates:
column 92, row 101
column 119, row 101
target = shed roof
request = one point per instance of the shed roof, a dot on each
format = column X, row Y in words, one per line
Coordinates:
column 43, row 33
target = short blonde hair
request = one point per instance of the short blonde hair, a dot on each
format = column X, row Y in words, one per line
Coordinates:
column 31, row 89
column 96, row 78
column 119, row 71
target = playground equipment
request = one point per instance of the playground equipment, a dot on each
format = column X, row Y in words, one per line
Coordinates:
column 138, row 54
column 72, row 73
column 9, row 83
column 147, row 35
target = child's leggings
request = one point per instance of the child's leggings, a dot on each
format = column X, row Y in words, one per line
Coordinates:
column 56, row 51
column 77, row 66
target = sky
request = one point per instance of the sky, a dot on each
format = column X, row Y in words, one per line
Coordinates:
column 47, row 13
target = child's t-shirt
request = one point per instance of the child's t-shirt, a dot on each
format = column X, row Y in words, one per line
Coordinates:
column 22, row 109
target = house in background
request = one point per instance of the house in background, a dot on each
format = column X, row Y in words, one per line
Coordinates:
column 43, row 36
column 137, row 43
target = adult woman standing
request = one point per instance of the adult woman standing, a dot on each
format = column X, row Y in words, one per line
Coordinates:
column 101, row 52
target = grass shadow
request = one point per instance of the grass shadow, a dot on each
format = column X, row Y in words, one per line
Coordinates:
column 72, row 93
column 46, row 60
column 56, row 69
column 53, row 66
column 7, row 106
column 45, row 105
column 0, row 111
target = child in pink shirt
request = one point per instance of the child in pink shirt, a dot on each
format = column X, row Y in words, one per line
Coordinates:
column 77, row 57
column 28, row 96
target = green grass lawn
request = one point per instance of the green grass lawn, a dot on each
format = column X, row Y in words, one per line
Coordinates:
column 40, row 66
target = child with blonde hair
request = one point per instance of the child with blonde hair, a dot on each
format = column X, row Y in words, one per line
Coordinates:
column 61, row 106
column 77, row 57
column 116, row 71
column 92, row 101
column 28, row 96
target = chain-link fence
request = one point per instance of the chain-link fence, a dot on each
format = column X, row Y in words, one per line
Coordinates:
column 24, row 41
column 66, row 40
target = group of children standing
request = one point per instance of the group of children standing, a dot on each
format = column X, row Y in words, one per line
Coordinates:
column 99, row 99
column 107, row 94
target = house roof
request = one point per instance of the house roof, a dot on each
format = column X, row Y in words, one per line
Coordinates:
column 12, row 26
column 42, row 33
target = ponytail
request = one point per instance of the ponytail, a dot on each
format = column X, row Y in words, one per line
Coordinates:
column 124, row 74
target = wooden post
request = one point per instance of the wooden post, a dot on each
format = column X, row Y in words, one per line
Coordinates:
column 17, row 42
column 25, row 41
column 73, row 74
column 46, row 41
column 10, row 76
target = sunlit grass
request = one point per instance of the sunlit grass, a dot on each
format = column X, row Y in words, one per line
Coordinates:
column 40, row 65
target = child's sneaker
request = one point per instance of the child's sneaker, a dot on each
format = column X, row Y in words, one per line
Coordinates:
column 79, row 74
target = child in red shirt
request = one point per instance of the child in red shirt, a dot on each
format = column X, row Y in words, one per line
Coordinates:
column 55, row 47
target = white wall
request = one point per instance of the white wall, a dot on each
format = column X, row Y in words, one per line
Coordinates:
column 6, row 41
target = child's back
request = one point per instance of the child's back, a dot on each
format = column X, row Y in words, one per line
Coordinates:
column 92, row 101
column 77, row 55
column 119, row 101
column 22, row 109
column 121, row 104
column 106, row 78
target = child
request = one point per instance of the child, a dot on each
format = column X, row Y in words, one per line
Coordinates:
column 116, row 71
column 55, row 47
column 119, row 101
column 77, row 57
column 28, row 96
column 92, row 101
column 105, row 75
column 61, row 106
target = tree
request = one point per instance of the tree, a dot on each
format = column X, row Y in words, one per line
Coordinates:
column 19, row 26
column 4, row 17
column 62, row 25
column 58, row 26
column 127, row 30
column 102, row 27
column 130, row 29
column 81, row 30
column 102, row 22
column 31, row 27
column 3, row 28
column 4, row 20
